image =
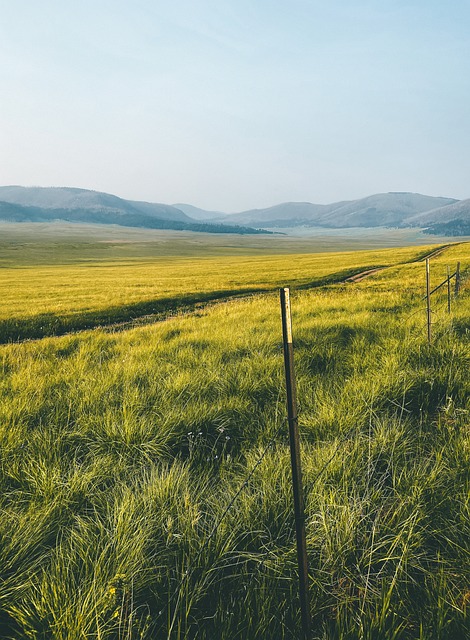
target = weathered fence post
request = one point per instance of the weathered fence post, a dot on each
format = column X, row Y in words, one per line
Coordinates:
column 448, row 289
column 428, row 299
column 457, row 280
column 299, row 507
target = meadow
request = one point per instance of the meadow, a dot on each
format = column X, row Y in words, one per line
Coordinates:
column 33, row 244
column 45, row 291
column 121, row 449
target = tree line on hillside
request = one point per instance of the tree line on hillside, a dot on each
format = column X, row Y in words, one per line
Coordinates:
column 452, row 228
column 19, row 213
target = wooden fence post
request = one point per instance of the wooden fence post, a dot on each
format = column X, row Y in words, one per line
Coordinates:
column 428, row 299
column 448, row 289
column 299, row 507
column 457, row 280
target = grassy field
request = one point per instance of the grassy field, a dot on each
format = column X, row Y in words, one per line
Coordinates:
column 23, row 244
column 43, row 300
column 121, row 451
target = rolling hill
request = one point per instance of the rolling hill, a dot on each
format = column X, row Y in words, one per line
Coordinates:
column 200, row 214
column 394, row 209
column 287, row 214
column 73, row 199
column 453, row 220
column 42, row 204
column 384, row 209
column 458, row 210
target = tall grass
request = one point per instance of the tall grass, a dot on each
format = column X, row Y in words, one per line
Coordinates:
column 121, row 452
column 39, row 301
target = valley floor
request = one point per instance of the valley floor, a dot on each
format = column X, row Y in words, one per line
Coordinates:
column 122, row 451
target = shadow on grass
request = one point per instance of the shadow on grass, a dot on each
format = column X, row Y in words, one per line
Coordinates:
column 147, row 312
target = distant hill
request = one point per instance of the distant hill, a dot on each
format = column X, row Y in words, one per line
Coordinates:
column 42, row 204
column 453, row 220
column 384, row 209
column 67, row 198
column 459, row 210
column 453, row 228
column 18, row 213
column 163, row 211
column 200, row 214
column 393, row 209
column 287, row 214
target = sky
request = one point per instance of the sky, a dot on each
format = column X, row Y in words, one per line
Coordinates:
column 235, row 104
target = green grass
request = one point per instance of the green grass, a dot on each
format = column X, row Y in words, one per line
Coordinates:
column 51, row 300
column 121, row 451
column 34, row 244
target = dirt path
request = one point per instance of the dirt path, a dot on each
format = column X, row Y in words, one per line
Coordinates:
column 364, row 274
column 201, row 305
column 432, row 254
column 436, row 252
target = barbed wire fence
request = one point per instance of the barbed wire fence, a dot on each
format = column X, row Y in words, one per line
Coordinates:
column 176, row 597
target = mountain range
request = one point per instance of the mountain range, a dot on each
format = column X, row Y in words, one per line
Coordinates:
column 395, row 209
column 46, row 204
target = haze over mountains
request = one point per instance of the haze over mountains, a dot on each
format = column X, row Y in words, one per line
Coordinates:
column 43, row 204
column 394, row 209
column 200, row 214
column 384, row 209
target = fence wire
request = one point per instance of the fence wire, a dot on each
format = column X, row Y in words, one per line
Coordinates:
column 177, row 594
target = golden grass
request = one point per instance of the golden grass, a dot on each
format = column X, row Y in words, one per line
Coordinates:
column 120, row 453
column 70, row 290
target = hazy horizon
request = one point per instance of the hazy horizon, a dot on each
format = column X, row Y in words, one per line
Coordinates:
column 191, row 204
column 229, row 106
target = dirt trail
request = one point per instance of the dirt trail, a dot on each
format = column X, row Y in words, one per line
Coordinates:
column 436, row 252
column 364, row 274
column 199, row 306
column 432, row 254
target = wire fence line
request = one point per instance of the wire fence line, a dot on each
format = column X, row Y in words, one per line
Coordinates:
column 177, row 594
column 461, row 278
column 442, row 284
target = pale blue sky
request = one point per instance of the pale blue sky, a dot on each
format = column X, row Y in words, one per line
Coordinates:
column 231, row 104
